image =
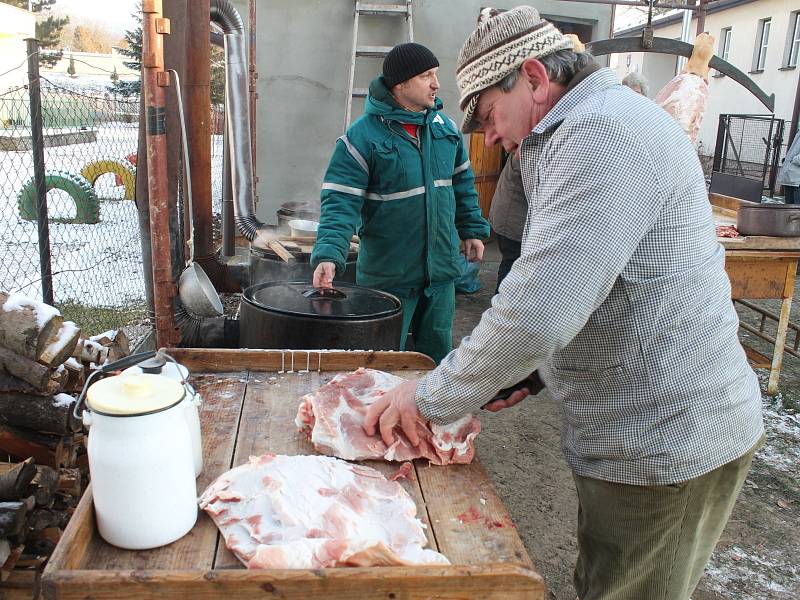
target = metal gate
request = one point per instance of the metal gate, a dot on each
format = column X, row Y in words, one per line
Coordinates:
column 749, row 146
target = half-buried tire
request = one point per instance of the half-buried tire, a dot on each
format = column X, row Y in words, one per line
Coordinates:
column 123, row 171
column 87, row 208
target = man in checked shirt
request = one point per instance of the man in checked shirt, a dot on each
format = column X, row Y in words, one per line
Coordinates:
column 619, row 299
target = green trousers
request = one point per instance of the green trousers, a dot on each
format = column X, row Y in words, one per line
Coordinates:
column 652, row 542
column 430, row 319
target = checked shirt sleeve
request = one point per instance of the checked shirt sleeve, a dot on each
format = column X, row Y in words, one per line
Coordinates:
column 341, row 200
column 596, row 198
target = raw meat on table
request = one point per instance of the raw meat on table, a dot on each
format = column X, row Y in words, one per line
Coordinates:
column 727, row 231
column 311, row 512
column 333, row 418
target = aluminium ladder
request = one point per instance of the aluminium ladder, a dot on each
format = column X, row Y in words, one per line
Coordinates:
column 386, row 10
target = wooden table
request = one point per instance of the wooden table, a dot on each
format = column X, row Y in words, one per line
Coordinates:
column 760, row 268
column 250, row 399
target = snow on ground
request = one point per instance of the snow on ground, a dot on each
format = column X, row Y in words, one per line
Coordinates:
column 734, row 568
column 93, row 264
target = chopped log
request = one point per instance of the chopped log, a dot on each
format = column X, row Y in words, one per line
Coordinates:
column 46, row 518
column 41, row 413
column 8, row 567
column 40, row 546
column 69, row 482
column 59, row 378
column 24, row 368
column 12, row 518
column 45, row 484
column 59, row 346
column 76, row 375
column 14, row 483
column 26, row 326
column 50, row 450
column 78, row 349
column 120, row 346
column 9, row 383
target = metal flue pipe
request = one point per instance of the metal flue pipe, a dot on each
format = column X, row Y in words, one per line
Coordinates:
column 237, row 116
column 154, row 79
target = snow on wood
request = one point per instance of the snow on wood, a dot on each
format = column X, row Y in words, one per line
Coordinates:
column 61, row 346
column 19, row 302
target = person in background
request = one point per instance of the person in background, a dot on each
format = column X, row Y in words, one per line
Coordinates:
column 789, row 174
column 508, row 214
column 637, row 83
column 619, row 299
column 401, row 176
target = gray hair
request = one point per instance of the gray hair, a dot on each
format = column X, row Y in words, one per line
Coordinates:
column 636, row 80
column 561, row 67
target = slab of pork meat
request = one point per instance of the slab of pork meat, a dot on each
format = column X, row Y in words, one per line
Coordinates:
column 333, row 418
column 684, row 97
column 310, row 512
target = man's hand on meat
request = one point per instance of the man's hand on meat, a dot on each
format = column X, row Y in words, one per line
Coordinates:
column 396, row 407
column 324, row 274
column 473, row 250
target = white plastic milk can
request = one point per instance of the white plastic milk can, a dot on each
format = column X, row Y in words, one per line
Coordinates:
column 140, row 460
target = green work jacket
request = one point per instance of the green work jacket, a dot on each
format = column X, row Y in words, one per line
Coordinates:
column 410, row 200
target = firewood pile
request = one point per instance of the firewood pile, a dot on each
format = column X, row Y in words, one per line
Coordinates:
column 44, row 363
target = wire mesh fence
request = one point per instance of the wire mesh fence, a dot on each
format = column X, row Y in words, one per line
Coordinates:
column 90, row 138
column 749, row 146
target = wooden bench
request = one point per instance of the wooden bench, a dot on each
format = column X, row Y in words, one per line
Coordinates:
column 250, row 398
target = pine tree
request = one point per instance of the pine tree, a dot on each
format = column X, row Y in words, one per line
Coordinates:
column 71, row 67
column 114, row 76
column 133, row 51
column 48, row 31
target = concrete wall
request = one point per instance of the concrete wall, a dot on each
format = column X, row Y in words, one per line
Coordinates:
column 727, row 96
column 303, row 56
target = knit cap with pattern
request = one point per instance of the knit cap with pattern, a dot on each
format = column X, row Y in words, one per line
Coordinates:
column 405, row 61
column 502, row 41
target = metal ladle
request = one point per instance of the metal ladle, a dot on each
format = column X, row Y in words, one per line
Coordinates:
column 195, row 289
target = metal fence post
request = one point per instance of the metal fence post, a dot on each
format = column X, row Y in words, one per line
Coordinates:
column 37, row 148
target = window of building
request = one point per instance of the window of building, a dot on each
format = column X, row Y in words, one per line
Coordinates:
column 762, row 41
column 793, row 40
column 724, row 46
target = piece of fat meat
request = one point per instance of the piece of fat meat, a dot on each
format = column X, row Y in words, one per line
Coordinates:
column 333, row 419
column 684, row 97
column 310, row 512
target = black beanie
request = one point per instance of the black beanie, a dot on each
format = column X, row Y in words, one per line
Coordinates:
column 405, row 61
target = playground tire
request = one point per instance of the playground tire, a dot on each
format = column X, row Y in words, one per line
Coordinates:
column 123, row 171
column 87, row 207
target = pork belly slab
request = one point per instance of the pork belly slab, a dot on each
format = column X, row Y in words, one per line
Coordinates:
column 333, row 419
column 310, row 512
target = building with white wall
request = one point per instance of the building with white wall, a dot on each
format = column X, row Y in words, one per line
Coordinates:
column 15, row 25
column 303, row 50
column 759, row 37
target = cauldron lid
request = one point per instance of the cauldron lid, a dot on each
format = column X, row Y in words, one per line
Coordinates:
column 299, row 298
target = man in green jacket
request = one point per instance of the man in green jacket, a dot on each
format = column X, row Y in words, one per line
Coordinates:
column 401, row 177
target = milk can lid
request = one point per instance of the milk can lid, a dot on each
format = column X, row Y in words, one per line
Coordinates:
column 134, row 395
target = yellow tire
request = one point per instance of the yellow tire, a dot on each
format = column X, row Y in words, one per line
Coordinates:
column 119, row 167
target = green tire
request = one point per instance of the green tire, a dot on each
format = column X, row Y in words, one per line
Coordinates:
column 87, row 208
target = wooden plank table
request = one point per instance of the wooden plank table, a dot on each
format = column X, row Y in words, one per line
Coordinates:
column 250, row 399
column 760, row 268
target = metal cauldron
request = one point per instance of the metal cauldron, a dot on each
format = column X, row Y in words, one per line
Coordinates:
column 294, row 315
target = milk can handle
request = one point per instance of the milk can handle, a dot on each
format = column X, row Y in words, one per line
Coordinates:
column 122, row 363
